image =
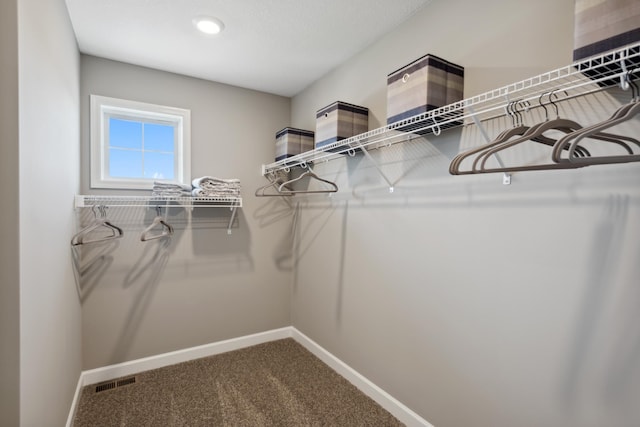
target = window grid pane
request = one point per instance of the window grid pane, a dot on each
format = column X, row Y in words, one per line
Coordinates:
column 141, row 150
column 125, row 133
column 158, row 165
column 125, row 163
column 159, row 137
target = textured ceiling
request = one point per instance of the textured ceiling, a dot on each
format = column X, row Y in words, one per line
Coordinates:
column 275, row 46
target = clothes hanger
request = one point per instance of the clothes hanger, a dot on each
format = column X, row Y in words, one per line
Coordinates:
column 622, row 115
column 517, row 129
column 565, row 125
column 506, row 138
column 534, row 133
column 98, row 223
column 563, row 143
column 310, row 174
column 557, row 123
column 622, row 140
column 149, row 234
column 273, row 184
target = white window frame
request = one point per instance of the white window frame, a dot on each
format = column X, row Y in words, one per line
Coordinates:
column 103, row 107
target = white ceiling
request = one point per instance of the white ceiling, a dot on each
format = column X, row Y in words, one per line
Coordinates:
column 275, row 46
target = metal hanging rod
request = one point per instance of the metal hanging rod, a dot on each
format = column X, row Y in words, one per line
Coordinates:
column 578, row 79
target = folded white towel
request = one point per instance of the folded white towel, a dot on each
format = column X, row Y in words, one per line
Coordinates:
column 210, row 181
column 158, row 185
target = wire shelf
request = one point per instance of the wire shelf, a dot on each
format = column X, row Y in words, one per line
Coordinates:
column 82, row 201
column 578, row 79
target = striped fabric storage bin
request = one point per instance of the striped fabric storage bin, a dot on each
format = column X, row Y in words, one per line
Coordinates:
column 423, row 85
column 455, row 83
column 307, row 141
column 339, row 121
column 604, row 25
column 292, row 141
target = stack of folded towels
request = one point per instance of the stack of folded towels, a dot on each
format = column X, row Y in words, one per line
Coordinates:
column 163, row 189
column 210, row 186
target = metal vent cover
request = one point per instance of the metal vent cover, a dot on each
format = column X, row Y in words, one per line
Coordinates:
column 115, row 384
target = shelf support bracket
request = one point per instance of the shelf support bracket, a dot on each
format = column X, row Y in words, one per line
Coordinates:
column 624, row 82
column 234, row 210
column 374, row 163
column 506, row 177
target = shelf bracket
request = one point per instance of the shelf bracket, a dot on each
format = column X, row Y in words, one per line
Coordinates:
column 234, row 210
column 506, row 177
column 351, row 152
column 624, row 83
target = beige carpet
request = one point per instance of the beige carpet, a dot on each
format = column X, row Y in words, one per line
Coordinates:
column 274, row 384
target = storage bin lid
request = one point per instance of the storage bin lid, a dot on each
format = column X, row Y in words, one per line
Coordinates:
column 345, row 106
column 294, row 131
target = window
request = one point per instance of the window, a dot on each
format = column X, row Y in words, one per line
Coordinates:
column 134, row 144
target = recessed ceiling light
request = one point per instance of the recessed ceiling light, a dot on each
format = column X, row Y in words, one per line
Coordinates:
column 208, row 24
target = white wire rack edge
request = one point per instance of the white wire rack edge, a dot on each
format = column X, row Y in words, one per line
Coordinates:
column 152, row 201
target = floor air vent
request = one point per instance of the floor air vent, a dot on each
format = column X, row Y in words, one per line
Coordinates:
column 115, row 384
column 126, row 381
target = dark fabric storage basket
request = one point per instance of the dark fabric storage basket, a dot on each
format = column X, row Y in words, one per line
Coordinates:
column 425, row 84
column 338, row 121
column 292, row 141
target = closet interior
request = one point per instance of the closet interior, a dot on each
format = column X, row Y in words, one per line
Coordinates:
column 475, row 264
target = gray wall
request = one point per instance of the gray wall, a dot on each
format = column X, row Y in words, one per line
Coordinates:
column 49, row 131
column 142, row 299
column 471, row 302
column 9, row 214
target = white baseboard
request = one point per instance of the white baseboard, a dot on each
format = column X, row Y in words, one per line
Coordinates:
column 385, row 400
column 161, row 360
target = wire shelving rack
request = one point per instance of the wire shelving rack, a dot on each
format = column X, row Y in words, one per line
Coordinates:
column 578, row 79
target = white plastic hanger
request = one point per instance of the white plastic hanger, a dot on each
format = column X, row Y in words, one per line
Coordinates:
column 275, row 184
column 623, row 114
column 308, row 173
column 150, row 233
column 99, row 223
